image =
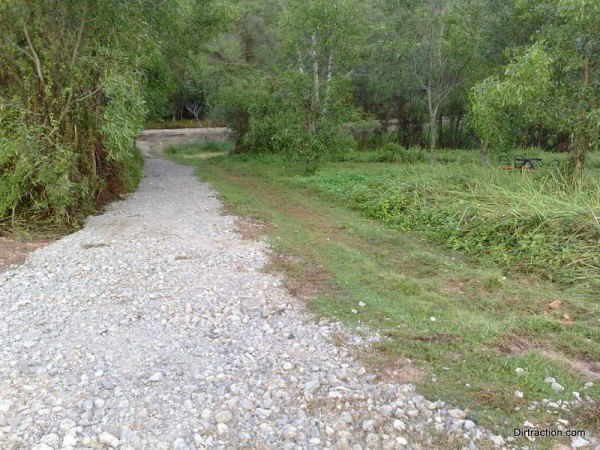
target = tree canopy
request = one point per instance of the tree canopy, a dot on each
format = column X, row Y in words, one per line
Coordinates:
column 310, row 78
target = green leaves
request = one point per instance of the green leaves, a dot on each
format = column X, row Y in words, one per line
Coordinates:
column 553, row 83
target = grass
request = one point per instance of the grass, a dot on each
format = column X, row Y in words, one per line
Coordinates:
column 528, row 222
column 486, row 322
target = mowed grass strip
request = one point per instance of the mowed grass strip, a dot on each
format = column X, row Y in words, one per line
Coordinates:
column 458, row 329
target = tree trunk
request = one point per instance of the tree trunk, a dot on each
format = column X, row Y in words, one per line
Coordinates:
column 441, row 130
column 485, row 155
column 451, row 126
column 582, row 142
column 578, row 157
column 432, row 127
column 455, row 132
column 316, row 81
column 328, row 83
column 400, row 135
column 432, row 136
column 248, row 46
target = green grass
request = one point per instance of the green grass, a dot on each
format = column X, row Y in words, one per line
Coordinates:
column 133, row 170
column 527, row 222
column 488, row 322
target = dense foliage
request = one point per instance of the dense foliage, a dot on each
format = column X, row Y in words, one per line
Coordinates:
column 553, row 84
column 77, row 82
column 288, row 76
column 310, row 79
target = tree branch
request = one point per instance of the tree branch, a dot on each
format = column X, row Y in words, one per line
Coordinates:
column 79, row 33
column 34, row 56
column 67, row 105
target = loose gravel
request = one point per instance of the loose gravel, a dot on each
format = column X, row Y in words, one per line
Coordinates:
column 154, row 327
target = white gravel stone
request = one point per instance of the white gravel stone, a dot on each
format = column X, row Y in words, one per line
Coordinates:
column 108, row 439
column 69, row 441
column 180, row 444
column 223, row 417
column 312, row 386
column 67, row 424
column 579, row 442
column 42, row 447
column 497, row 440
column 5, row 405
column 469, row 425
column 401, row 441
column 157, row 376
column 368, row 424
column 51, row 439
column 399, row 425
column 457, row 414
column 557, row 387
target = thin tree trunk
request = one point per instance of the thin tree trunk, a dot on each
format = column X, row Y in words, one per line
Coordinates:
column 316, row 80
column 578, row 157
column 441, row 130
column 34, row 57
column 485, row 154
column 74, row 56
column 455, row 132
column 400, row 135
column 432, row 127
column 432, row 136
column 582, row 142
column 328, row 83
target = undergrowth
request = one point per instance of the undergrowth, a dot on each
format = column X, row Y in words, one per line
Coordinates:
column 532, row 223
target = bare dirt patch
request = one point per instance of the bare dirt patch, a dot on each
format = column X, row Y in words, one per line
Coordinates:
column 204, row 155
column 15, row 251
column 515, row 345
column 152, row 142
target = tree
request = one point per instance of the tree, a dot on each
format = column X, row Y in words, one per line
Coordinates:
column 71, row 104
column 320, row 42
column 280, row 77
column 493, row 101
column 181, row 29
column 73, row 100
column 555, row 82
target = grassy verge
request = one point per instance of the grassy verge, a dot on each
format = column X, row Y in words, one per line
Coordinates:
column 459, row 329
column 531, row 223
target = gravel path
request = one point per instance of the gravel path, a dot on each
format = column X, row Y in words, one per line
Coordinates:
column 155, row 328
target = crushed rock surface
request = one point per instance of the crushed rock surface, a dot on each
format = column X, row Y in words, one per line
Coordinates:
column 154, row 327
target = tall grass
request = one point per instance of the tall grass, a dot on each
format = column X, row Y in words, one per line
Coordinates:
column 527, row 222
